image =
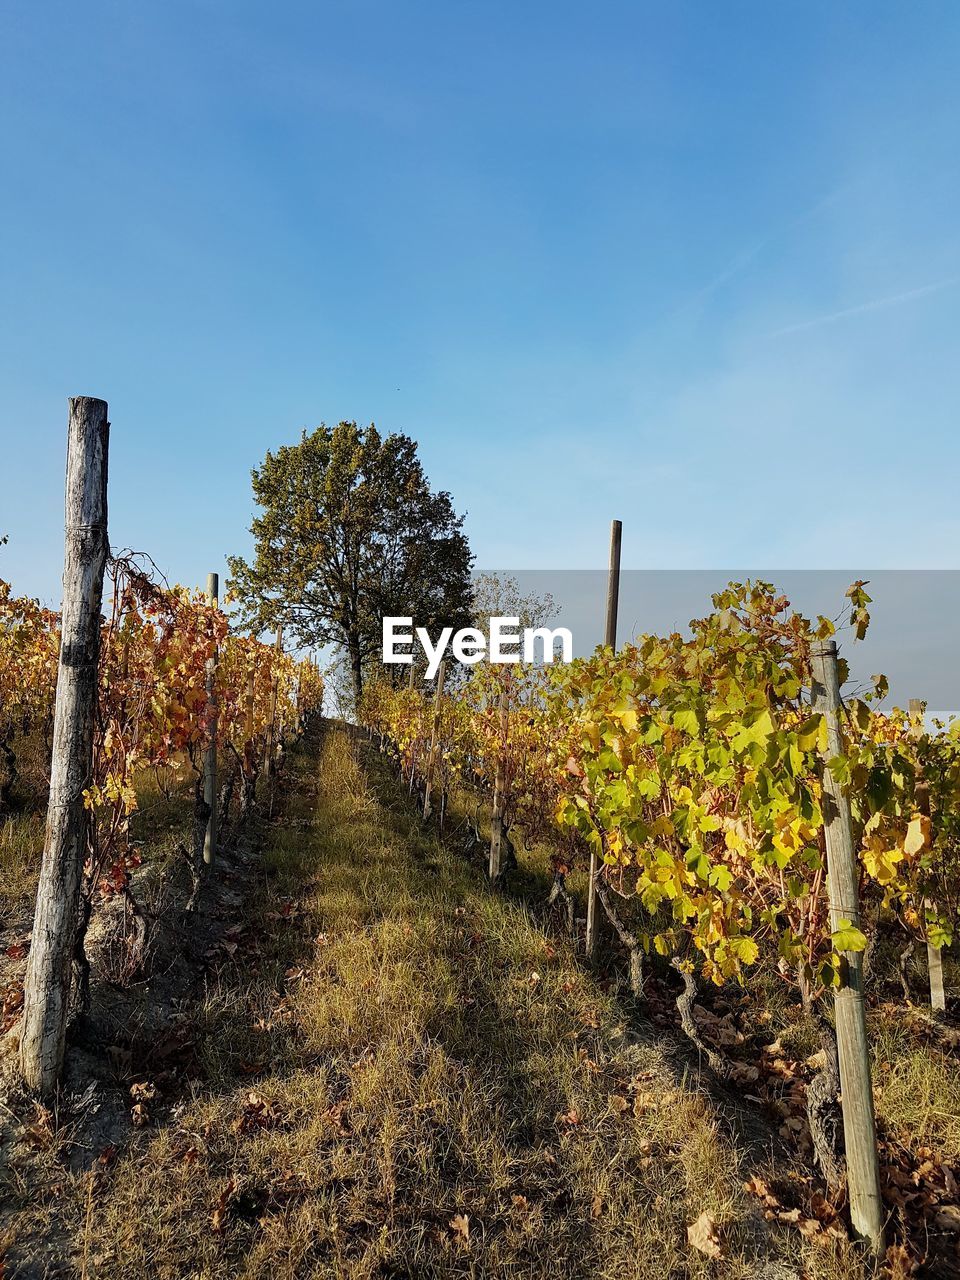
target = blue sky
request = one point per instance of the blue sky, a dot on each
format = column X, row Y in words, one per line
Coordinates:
column 693, row 265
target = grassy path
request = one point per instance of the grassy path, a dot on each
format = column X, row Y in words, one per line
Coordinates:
column 404, row 1076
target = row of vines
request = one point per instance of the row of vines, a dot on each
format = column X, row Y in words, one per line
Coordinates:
column 692, row 768
column 157, row 714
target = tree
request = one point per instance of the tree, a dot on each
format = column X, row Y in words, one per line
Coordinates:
column 350, row 532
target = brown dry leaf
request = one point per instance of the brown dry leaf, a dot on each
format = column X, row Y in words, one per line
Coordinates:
column 257, row 1113
column 334, row 1117
column 569, row 1117
column 596, row 1208
column 743, row 1073
column 219, row 1216
column 618, row 1104
column 139, row 1115
column 11, row 1002
column 757, row 1187
column 520, row 1202
column 460, row 1226
column 899, row 1264
column 704, row 1236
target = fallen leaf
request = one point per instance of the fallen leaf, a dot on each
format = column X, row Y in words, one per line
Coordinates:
column 219, row 1216
column 460, row 1226
column 703, row 1235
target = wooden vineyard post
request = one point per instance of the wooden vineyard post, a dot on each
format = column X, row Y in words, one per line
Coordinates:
column 413, row 753
column 249, row 755
column 434, row 740
column 497, row 830
column 210, row 753
column 251, row 702
column 46, row 995
column 610, row 640
column 859, row 1132
column 268, row 764
column 938, row 991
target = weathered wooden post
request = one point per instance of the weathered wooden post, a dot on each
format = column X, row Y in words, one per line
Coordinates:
column 251, row 700
column 413, row 754
column 268, row 766
column 46, row 994
column 938, row 990
column 497, row 829
column 434, row 741
column 859, row 1132
column 249, row 763
column 210, row 752
column 610, row 640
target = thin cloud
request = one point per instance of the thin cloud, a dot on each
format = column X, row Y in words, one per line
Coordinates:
column 746, row 256
column 876, row 304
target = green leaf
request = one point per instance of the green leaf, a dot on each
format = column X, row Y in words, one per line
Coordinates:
column 720, row 877
column 687, row 721
column 745, row 949
column 847, row 937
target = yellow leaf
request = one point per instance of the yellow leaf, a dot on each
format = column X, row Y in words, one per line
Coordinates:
column 916, row 836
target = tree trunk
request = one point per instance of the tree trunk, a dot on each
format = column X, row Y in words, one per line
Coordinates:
column 627, row 937
column 507, row 858
column 558, row 893
column 47, row 985
column 685, row 1002
column 823, row 1110
column 201, row 817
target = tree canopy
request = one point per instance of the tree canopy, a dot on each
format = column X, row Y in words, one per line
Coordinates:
column 349, row 531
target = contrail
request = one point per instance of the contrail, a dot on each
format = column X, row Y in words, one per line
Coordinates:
column 875, row 305
column 746, row 256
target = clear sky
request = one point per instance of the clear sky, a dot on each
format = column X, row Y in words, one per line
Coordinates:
column 694, row 265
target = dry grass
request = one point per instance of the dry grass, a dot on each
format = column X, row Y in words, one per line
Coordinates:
column 918, row 1088
column 439, row 1092
column 21, row 843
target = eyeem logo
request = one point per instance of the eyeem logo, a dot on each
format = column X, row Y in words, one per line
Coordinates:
column 507, row 643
